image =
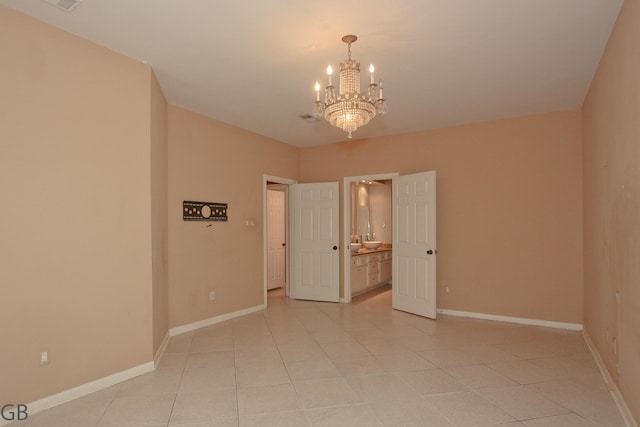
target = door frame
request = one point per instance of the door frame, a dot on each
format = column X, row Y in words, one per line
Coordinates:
column 280, row 183
column 346, row 227
column 279, row 191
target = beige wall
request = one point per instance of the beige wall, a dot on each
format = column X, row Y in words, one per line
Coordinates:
column 509, row 218
column 75, row 235
column 611, row 135
column 159, row 225
column 214, row 162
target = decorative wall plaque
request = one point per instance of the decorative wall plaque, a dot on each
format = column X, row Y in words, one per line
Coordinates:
column 204, row 211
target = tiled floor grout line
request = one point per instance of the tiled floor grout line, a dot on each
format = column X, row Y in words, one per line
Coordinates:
column 107, row 407
column 235, row 374
column 303, row 409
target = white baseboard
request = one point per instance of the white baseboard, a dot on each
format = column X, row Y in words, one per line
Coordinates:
column 213, row 320
column 102, row 383
column 509, row 319
column 85, row 389
column 613, row 388
column 161, row 349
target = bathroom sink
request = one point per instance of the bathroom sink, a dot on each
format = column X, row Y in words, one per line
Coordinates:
column 355, row 246
column 372, row 244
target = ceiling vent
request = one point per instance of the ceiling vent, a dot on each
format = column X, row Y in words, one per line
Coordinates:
column 66, row 5
column 308, row 118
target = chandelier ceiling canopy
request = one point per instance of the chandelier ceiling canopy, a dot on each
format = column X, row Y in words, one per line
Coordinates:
column 350, row 108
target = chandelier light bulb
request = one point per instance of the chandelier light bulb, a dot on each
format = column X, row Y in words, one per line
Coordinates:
column 317, row 88
column 371, row 70
column 329, row 73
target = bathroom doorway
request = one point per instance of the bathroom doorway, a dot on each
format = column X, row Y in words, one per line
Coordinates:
column 413, row 243
column 359, row 221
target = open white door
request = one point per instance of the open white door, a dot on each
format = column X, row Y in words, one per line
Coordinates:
column 414, row 244
column 276, row 239
column 315, row 242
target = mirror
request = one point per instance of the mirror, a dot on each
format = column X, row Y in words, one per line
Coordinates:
column 363, row 222
column 360, row 220
column 371, row 210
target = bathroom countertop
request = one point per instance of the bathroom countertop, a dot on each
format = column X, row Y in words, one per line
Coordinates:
column 364, row 251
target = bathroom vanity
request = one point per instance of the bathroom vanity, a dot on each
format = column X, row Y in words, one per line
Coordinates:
column 370, row 269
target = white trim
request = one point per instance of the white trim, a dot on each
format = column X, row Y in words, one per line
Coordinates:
column 161, row 349
column 213, row 320
column 85, row 389
column 102, row 383
column 613, row 388
column 343, row 301
column 346, row 227
column 509, row 319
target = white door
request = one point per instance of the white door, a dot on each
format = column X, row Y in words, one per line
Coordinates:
column 414, row 244
column 315, row 242
column 276, row 249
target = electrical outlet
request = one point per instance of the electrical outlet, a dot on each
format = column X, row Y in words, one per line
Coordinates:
column 44, row 358
column 212, row 296
column 446, row 290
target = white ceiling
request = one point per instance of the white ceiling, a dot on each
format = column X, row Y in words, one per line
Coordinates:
column 253, row 63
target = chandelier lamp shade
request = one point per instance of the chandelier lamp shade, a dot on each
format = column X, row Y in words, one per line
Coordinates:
column 350, row 108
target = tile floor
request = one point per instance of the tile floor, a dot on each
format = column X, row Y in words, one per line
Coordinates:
column 302, row 363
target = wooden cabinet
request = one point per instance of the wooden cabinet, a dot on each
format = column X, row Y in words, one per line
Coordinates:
column 373, row 269
column 369, row 271
column 358, row 274
column 385, row 271
column 385, row 267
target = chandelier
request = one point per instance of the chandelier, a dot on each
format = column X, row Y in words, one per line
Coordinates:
column 350, row 109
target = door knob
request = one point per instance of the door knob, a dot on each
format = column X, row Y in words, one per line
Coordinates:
column 335, row 248
column 430, row 252
column 284, row 244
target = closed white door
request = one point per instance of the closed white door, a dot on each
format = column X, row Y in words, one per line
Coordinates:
column 414, row 244
column 315, row 274
column 276, row 250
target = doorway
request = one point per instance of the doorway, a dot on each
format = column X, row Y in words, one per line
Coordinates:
column 413, row 242
column 276, row 236
column 348, row 217
column 280, row 258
